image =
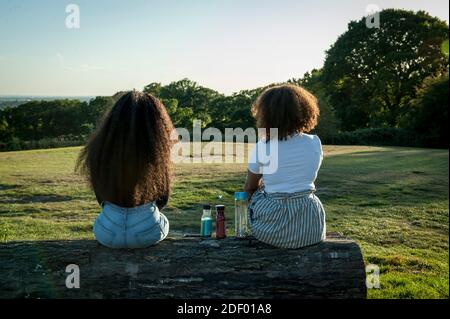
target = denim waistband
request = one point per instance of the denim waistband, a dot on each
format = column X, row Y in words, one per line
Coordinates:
column 131, row 210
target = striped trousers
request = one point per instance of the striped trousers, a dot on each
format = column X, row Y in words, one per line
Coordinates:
column 287, row 220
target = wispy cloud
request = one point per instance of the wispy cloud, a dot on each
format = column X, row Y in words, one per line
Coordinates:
column 62, row 62
column 89, row 67
column 83, row 67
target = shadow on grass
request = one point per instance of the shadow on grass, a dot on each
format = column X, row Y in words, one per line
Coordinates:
column 7, row 187
column 37, row 199
column 394, row 177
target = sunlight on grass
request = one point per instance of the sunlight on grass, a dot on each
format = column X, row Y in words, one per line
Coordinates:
column 393, row 201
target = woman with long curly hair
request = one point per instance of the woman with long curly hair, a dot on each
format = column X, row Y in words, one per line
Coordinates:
column 284, row 210
column 127, row 164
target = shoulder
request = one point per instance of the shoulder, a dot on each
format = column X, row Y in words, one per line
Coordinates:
column 309, row 136
column 312, row 137
column 314, row 140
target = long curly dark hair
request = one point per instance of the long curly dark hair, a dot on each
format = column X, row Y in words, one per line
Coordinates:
column 127, row 159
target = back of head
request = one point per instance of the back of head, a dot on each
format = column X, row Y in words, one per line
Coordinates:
column 127, row 159
column 289, row 108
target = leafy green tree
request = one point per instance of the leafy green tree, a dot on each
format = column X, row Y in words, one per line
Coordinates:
column 181, row 117
column 37, row 120
column 5, row 131
column 153, row 89
column 371, row 73
column 96, row 109
column 429, row 112
column 191, row 98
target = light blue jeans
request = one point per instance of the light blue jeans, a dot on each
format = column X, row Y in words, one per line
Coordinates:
column 137, row 227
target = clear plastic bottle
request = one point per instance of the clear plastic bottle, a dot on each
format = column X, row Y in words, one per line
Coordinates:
column 240, row 225
column 206, row 222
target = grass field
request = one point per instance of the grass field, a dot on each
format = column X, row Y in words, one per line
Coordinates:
column 392, row 201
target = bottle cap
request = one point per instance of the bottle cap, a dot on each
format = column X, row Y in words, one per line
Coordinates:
column 220, row 207
column 206, row 206
column 240, row 196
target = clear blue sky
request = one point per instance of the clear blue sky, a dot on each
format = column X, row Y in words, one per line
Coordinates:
column 227, row 45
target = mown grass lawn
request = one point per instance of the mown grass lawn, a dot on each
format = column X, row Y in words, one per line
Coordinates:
column 392, row 201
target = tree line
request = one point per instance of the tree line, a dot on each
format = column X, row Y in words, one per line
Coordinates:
column 379, row 86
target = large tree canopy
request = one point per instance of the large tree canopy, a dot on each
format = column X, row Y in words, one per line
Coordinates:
column 371, row 73
column 429, row 111
column 187, row 100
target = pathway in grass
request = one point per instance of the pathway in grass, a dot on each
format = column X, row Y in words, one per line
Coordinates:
column 393, row 201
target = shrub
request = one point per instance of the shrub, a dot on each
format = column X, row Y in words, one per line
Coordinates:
column 63, row 141
column 377, row 137
column 428, row 113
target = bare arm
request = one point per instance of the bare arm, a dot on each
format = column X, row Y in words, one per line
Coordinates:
column 252, row 183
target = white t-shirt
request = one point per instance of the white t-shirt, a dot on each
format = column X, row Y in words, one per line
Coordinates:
column 293, row 168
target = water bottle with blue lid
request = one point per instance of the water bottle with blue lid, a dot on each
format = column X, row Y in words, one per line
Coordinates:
column 240, row 225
